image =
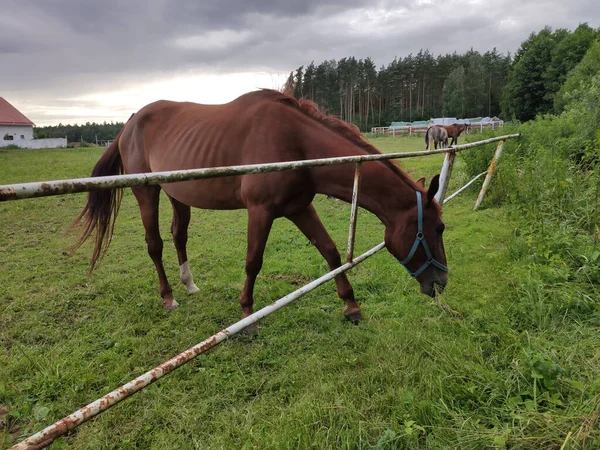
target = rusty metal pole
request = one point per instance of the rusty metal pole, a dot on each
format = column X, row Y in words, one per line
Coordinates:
column 488, row 177
column 71, row 186
column 45, row 437
column 445, row 175
column 353, row 213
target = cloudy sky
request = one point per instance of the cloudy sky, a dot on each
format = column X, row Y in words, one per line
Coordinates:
column 93, row 60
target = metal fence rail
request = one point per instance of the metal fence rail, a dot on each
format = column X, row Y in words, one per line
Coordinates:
column 46, row 436
column 59, row 187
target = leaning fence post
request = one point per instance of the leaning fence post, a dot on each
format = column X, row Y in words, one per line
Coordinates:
column 488, row 177
column 353, row 213
column 445, row 175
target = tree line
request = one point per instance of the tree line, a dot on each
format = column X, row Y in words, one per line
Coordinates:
column 416, row 87
column 541, row 67
column 90, row 132
column 422, row 86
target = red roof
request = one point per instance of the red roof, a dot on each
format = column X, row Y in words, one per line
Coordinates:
column 9, row 115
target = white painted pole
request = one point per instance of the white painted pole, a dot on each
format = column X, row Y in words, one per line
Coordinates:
column 353, row 213
column 458, row 191
column 59, row 187
column 490, row 172
column 445, row 175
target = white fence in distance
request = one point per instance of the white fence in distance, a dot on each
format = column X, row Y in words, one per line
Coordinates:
column 409, row 130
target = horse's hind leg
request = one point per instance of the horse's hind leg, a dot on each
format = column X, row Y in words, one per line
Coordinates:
column 148, row 197
column 260, row 220
column 309, row 223
column 179, row 230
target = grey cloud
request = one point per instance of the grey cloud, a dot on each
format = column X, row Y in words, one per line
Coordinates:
column 57, row 49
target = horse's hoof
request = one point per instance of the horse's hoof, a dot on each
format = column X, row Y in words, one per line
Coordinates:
column 171, row 305
column 192, row 289
column 355, row 317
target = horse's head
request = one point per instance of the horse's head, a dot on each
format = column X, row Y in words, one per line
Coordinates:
column 415, row 239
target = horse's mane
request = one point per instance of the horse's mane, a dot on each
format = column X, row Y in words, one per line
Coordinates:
column 344, row 129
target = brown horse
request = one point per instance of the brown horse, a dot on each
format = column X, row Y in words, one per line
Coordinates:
column 262, row 127
column 455, row 130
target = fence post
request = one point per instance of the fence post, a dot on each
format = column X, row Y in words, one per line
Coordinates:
column 445, row 175
column 488, row 177
column 353, row 213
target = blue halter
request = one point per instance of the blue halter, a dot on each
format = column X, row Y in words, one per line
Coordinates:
column 420, row 240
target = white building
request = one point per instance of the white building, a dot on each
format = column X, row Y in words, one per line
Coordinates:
column 16, row 129
column 14, row 126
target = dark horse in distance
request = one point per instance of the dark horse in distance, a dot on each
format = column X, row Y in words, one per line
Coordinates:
column 264, row 126
column 455, row 130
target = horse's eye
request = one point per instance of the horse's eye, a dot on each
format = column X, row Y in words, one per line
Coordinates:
column 441, row 228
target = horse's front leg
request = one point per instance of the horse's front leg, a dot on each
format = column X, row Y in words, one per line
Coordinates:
column 309, row 223
column 260, row 220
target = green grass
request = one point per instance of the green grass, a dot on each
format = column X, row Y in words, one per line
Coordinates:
column 493, row 363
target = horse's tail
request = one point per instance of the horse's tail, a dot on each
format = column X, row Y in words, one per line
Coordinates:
column 427, row 139
column 100, row 211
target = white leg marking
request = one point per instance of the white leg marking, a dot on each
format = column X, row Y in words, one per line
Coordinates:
column 187, row 279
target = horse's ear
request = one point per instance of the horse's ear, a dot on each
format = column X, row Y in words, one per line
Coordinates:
column 421, row 183
column 433, row 188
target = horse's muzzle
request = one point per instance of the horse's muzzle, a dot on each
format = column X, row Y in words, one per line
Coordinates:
column 433, row 288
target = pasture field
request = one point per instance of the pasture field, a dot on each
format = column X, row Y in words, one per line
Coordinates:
column 487, row 365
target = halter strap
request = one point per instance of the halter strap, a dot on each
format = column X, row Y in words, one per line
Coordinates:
column 420, row 240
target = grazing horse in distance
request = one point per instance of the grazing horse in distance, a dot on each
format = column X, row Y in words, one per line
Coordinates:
column 455, row 130
column 438, row 135
column 264, row 126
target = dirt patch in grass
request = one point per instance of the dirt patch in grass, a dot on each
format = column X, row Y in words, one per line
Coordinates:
column 8, row 425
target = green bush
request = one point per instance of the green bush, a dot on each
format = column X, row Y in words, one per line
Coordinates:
column 549, row 181
column 478, row 159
